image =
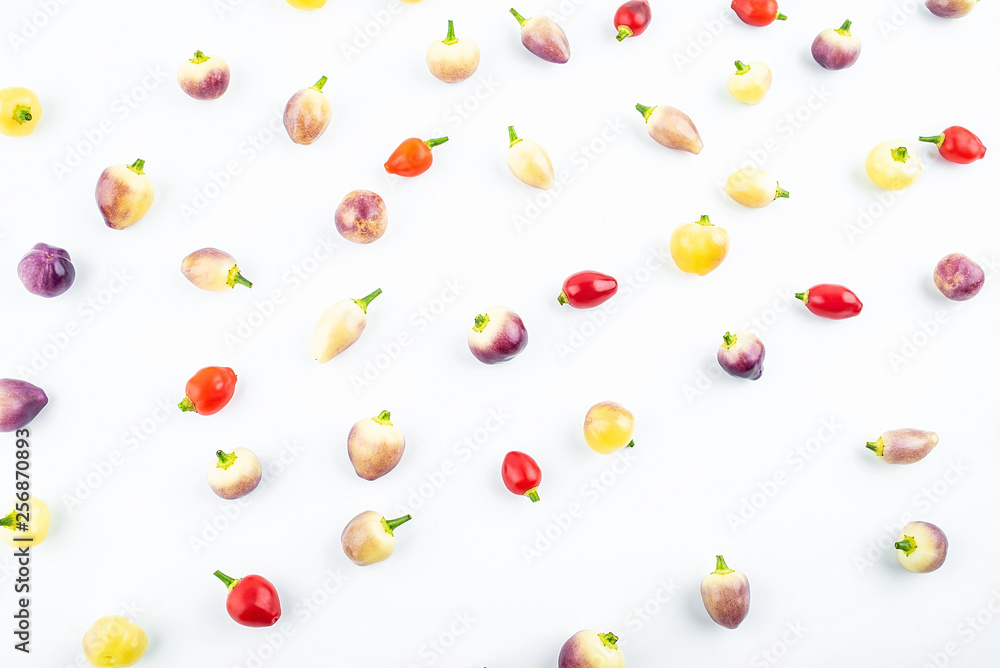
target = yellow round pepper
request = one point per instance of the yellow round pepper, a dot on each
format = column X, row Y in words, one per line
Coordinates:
column 750, row 83
column 893, row 165
column 306, row 4
column 698, row 248
column 608, row 427
column 37, row 513
column 20, row 110
column 114, row 641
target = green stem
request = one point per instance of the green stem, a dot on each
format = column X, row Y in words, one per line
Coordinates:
column 366, row 300
column 187, row 405
column 532, row 494
column 9, row 521
column 383, row 418
column 392, row 524
column 899, row 154
column 22, row 114
column 728, row 340
column 845, row 29
column 623, row 32
column 705, row 221
column 520, row 19
column 513, row 135
column 226, row 580
column 804, row 296
column 225, row 460
column 631, row 444
column 644, row 110
column 236, row 277
column 878, row 447
column 780, row 17
column 563, row 299
column 481, row 321
column 720, row 566
column 137, row 166
column 937, row 140
column 450, row 37
column 609, row 639
column 319, row 84
column 780, row 192
column 907, row 545
column 199, row 58
column 742, row 68
column 431, row 143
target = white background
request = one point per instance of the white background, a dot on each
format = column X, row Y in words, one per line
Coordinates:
column 699, row 456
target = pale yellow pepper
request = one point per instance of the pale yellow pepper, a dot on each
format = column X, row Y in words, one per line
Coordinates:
column 114, row 641
column 753, row 187
column 529, row 162
column 608, row 427
column 306, row 4
column 893, row 165
column 20, row 110
column 698, row 248
column 750, row 83
column 37, row 513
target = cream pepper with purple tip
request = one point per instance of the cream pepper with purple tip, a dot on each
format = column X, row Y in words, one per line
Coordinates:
column 672, row 128
column 308, row 114
column 903, row 446
column 368, row 538
column 213, row 270
column 124, row 194
column 543, row 37
column 921, row 547
column 204, row 77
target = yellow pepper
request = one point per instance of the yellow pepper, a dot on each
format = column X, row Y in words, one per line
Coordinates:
column 20, row 110
column 114, row 641
column 753, row 187
column 306, row 4
column 893, row 165
column 608, row 427
column 750, row 83
column 37, row 513
column 698, row 248
column 529, row 162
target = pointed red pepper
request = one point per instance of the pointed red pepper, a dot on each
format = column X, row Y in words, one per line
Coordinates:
column 252, row 600
column 831, row 301
column 412, row 157
column 758, row 13
column 957, row 144
column 632, row 18
column 587, row 289
column 521, row 474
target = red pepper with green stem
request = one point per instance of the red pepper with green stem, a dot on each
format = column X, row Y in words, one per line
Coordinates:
column 252, row 600
column 587, row 289
column 758, row 13
column 632, row 19
column 209, row 390
column 413, row 157
column 956, row 144
column 834, row 302
column 521, row 474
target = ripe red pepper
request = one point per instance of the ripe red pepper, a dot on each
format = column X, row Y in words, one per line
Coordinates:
column 958, row 145
column 209, row 390
column 758, row 12
column 412, row 157
column 252, row 600
column 831, row 301
column 587, row 289
column 521, row 474
column 632, row 18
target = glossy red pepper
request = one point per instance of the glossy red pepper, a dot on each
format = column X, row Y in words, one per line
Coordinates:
column 958, row 145
column 632, row 18
column 252, row 600
column 587, row 289
column 521, row 474
column 831, row 301
column 412, row 157
column 209, row 390
column 758, row 12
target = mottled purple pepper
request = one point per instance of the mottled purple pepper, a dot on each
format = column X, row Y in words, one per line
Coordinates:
column 958, row 277
column 741, row 355
column 903, row 446
column 543, row 37
column 20, row 402
column 46, row 271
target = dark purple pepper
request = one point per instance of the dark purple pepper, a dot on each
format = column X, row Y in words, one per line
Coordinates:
column 46, row 271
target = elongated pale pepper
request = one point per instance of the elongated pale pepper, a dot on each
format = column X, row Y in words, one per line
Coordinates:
column 340, row 327
column 529, row 162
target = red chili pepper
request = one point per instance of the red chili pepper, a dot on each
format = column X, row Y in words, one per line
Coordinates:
column 521, row 474
column 412, row 157
column 831, row 301
column 252, row 600
column 758, row 12
column 632, row 18
column 588, row 289
column 958, row 145
column 209, row 390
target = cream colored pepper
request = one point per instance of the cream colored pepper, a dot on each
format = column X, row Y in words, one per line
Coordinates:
column 368, row 539
column 340, row 326
column 34, row 514
column 529, row 162
column 213, row 270
column 893, row 165
column 750, row 82
column 452, row 60
column 754, row 187
column 124, row 194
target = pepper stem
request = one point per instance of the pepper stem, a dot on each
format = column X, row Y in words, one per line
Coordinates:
column 236, row 277
column 392, row 524
column 907, row 545
column 199, row 58
column 137, row 166
column 225, row 459
column 728, row 340
column 9, row 521
column 513, row 135
column 450, row 37
column 720, row 566
column 226, row 580
column 563, row 299
column 741, row 67
column 937, row 140
column 623, row 32
column 431, row 143
column 532, row 494
column 631, row 444
column 899, row 154
column 481, row 321
column 319, row 84
column 644, row 110
column 780, row 192
column 704, row 220
column 383, row 418
column 187, row 405
column 366, row 300
column 878, row 447
column 520, row 19
column 845, row 29
column 22, row 114
column 780, row 17
column 804, row 296
column 609, row 639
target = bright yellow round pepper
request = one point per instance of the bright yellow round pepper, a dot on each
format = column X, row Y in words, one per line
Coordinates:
column 893, row 165
column 20, row 110
column 306, row 4
column 114, row 641
column 608, row 427
column 698, row 248
column 38, row 523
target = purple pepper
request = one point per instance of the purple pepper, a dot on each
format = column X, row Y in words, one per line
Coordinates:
column 497, row 335
column 543, row 37
column 958, row 277
column 46, row 271
column 741, row 355
column 20, row 402
column 836, row 49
